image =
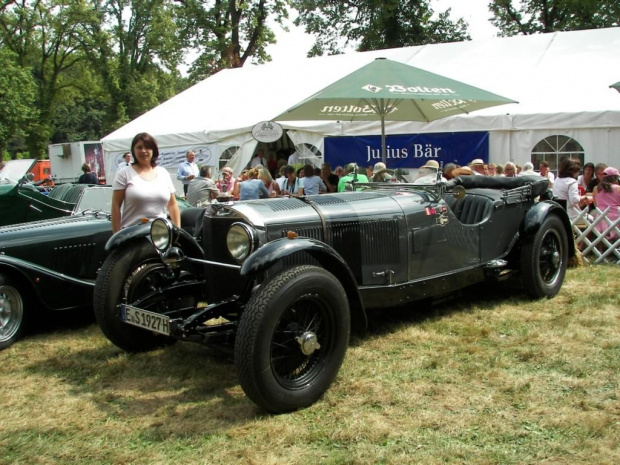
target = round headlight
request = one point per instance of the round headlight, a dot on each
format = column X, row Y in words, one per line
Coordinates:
column 240, row 241
column 161, row 234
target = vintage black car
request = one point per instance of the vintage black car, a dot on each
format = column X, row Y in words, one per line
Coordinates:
column 22, row 200
column 51, row 264
column 280, row 281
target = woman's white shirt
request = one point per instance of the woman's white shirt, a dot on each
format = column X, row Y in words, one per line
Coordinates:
column 566, row 189
column 143, row 198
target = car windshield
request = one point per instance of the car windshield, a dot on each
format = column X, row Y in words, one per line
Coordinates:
column 95, row 198
column 15, row 170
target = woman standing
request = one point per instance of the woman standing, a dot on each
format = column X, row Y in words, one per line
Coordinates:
column 565, row 187
column 311, row 184
column 143, row 189
column 607, row 195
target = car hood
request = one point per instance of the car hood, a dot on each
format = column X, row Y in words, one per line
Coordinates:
column 6, row 187
column 343, row 207
column 58, row 230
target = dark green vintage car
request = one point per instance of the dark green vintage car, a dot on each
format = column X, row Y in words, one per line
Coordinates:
column 279, row 282
column 21, row 201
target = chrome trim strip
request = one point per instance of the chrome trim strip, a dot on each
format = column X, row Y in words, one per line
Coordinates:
column 207, row 262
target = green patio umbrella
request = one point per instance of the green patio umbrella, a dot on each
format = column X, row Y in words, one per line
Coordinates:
column 390, row 90
column 616, row 86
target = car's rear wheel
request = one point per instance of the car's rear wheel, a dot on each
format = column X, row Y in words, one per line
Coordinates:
column 129, row 272
column 544, row 259
column 13, row 317
column 292, row 339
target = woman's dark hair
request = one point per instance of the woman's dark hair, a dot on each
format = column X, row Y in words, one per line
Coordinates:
column 309, row 170
column 588, row 165
column 568, row 168
column 149, row 143
column 607, row 182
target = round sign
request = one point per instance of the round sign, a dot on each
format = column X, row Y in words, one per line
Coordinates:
column 267, row 131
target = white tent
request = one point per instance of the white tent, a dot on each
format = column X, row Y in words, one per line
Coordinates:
column 561, row 81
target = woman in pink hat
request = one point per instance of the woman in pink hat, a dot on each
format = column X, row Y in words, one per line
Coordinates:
column 607, row 195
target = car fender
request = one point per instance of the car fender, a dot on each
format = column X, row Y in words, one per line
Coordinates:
column 183, row 239
column 45, row 284
column 537, row 214
column 128, row 234
column 275, row 251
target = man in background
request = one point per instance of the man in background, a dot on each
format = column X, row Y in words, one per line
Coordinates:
column 329, row 179
column 188, row 170
column 202, row 189
column 126, row 161
column 351, row 173
column 259, row 159
column 545, row 172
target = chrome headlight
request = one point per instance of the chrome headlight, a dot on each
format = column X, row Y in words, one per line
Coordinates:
column 161, row 234
column 240, row 241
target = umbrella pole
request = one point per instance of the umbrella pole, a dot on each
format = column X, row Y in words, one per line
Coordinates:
column 383, row 157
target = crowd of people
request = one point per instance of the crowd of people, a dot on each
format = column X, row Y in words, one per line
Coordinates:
column 143, row 188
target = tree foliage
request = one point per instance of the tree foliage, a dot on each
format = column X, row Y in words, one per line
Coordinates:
column 18, row 91
column 44, row 36
column 97, row 64
column 227, row 33
column 78, row 69
column 513, row 17
column 375, row 24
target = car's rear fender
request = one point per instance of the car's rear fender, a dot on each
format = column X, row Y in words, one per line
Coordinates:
column 537, row 214
column 275, row 251
column 35, row 280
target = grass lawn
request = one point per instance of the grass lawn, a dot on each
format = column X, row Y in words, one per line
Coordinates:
column 489, row 377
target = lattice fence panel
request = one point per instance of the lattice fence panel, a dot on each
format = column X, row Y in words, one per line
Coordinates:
column 597, row 246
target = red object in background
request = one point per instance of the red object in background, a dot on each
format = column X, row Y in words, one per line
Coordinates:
column 42, row 171
column 582, row 190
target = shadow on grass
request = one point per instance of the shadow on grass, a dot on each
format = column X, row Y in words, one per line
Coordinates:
column 53, row 321
column 184, row 389
column 191, row 390
column 484, row 296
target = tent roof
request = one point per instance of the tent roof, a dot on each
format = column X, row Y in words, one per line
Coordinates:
column 560, row 80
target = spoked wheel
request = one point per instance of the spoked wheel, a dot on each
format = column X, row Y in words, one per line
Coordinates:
column 12, row 316
column 292, row 338
column 544, row 259
column 130, row 272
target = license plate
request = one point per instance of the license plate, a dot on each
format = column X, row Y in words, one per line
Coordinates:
column 145, row 319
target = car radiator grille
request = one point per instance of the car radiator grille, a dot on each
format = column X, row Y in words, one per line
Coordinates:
column 371, row 242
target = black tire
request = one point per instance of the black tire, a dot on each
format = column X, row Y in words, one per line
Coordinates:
column 129, row 271
column 544, row 259
column 13, row 316
column 303, row 302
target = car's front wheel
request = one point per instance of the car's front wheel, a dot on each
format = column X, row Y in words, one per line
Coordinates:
column 129, row 272
column 292, row 339
column 544, row 258
column 13, row 319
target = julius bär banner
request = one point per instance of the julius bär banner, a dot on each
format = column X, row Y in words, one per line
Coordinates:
column 408, row 150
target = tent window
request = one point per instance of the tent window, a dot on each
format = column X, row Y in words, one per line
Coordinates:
column 309, row 153
column 556, row 148
column 227, row 155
